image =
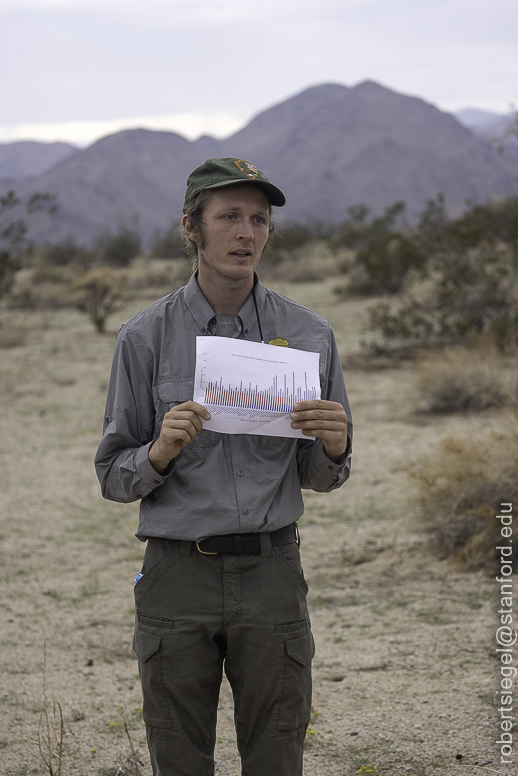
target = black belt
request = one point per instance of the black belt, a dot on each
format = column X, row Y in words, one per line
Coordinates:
column 246, row 543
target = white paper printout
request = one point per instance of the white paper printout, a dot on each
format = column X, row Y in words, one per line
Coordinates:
column 250, row 388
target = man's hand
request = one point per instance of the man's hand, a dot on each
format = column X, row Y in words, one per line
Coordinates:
column 324, row 419
column 181, row 425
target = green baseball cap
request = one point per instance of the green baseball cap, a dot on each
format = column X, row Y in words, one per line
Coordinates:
column 225, row 171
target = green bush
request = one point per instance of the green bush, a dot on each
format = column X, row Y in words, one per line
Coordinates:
column 97, row 293
column 385, row 250
column 290, row 251
column 167, row 244
column 67, row 252
column 475, row 291
column 118, row 249
column 12, row 237
column 13, row 231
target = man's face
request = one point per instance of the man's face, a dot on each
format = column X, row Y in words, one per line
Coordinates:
column 235, row 227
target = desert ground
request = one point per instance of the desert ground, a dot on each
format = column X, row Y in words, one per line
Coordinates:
column 405, row 671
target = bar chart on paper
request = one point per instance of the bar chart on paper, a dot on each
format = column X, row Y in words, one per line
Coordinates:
column 249, row 387
column 274, row 399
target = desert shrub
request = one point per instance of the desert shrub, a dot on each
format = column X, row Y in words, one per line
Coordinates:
column 389, row 251
column 294, row 252
column 67, row 252
column 41, row 287
column 120, row 248
column 13, row 334
column 98, row 293
column 12, row 237
column 493, row 222
column 13, row 231
column 42, row 272
column 460, row 488
column 47, row 295
column 163, row 275
column 311, row 262
column 385, row 250
column 291, row 235
column 167, row 244
column 496, row 221
column 471, row 292
column 468, row 378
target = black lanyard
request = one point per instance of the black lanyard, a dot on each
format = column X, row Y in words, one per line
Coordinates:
column 213, row 320
column 257, row 311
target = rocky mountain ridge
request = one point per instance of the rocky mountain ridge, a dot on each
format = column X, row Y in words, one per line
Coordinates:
column 328, row 148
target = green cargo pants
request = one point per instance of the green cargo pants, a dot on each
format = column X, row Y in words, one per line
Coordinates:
column 196, row 614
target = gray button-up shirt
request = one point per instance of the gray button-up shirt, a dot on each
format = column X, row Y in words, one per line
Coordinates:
column 219, row 483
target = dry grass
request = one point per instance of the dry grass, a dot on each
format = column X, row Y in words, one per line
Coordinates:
column 165, row 275
column 41, row 288
column 468, row 378
column 13, row 334
column 51, row 729
column 312, row 262
column 460, row 488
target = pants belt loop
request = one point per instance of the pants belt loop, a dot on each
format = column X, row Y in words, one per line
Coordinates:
column 185, row 547
column 266, row 545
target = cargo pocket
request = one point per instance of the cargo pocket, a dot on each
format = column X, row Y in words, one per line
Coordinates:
column 149, row 649
column 295, row 702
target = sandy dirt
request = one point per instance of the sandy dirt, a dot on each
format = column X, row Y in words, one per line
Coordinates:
column 405, row 672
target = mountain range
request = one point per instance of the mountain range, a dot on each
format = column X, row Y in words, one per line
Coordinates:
column 25, row 158
column 328, row 148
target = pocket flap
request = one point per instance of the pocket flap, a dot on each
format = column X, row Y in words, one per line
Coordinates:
column 302, row 650
column 175, row 391
column 145, row 644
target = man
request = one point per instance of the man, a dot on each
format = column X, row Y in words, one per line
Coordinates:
column 222, row 584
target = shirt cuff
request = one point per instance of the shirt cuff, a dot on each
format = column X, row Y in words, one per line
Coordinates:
column 345, row 455
column 323, row 462
column 150, row 478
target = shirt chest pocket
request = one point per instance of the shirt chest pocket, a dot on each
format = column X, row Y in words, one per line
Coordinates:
column 170, row 393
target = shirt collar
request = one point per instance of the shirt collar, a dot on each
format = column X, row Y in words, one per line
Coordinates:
column 203, row 313
column 198, row 306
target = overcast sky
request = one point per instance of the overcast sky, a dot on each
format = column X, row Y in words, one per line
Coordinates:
column 77, row 69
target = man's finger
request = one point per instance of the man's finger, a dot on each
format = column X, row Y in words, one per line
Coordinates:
column 192, row 426
column 321, row 425
column 179, row 418
column 193, row 406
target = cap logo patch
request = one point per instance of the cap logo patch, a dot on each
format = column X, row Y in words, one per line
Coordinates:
column 247, row 169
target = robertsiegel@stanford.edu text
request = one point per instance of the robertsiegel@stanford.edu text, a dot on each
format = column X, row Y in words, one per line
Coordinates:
column 506, row 637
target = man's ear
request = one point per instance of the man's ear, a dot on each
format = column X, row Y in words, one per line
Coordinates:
column 188, row 228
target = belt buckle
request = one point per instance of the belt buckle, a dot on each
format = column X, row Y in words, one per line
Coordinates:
column 202, row 552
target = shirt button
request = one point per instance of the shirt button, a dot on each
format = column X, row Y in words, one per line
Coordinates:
column 214, row 321
column 246, row 331
column 330, row 467
column 240, row 472
column 157, row 482
column 246, row 511
column 204, row 330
